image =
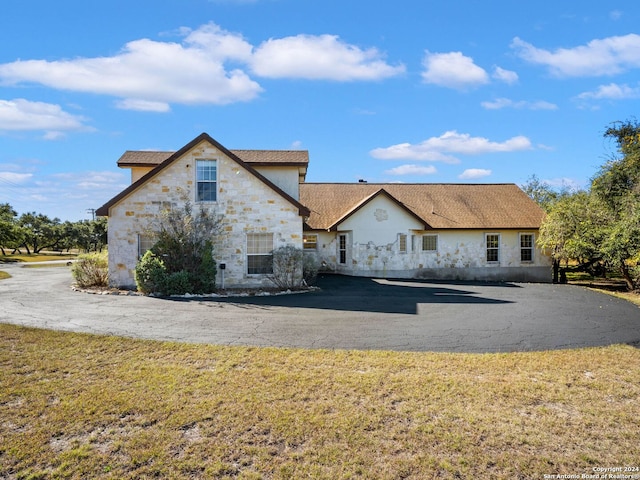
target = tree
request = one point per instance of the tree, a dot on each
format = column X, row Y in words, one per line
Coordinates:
column 41, row 231
column 617, row 186
column 574, row 229
column 540, row 192
column 11, row 235
column 602, row 226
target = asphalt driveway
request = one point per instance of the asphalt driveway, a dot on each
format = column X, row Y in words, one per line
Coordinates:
column 347, row 313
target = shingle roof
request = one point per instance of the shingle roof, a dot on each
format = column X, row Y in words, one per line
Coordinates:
column 439, row 206
column 142, row 158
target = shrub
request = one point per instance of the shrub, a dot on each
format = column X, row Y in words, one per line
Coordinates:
column 292, row 268
column 184, row 242
column 178, row 283
column 151, row 274
column 309, row 268
column 91, row 270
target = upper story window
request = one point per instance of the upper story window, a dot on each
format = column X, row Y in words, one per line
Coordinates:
column 206, row 180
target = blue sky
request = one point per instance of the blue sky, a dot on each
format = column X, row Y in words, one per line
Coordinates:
column 403, row 91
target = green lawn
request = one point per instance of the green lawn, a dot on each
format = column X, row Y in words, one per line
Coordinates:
column 81, row 406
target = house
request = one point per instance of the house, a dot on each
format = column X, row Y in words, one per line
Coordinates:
column 434, row 231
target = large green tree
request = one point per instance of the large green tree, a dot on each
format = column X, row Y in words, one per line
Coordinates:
column 617, row 186
column 602, row 225
column 11, row 234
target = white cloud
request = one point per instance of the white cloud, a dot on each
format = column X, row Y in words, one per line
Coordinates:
column 607, row 56
column 613, row 91
column 23, row 115
column 437, row 149
column 323, row 57
column 14, row 177
column 615, row 15
column 506, row 76
column 209, row 66
column 452, row 70
column 565, row 183
column 143, row 105
column 412, row 170
column 148, row 74
column 471, row 173
column 500, row 103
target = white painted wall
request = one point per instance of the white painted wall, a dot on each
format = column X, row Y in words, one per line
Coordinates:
column 461, row 255
column 379, row 221
column 285, row 178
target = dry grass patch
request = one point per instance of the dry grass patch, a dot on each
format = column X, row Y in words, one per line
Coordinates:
column 80, row 406
column 4, row 275
column 633, row 297
column 36, row 257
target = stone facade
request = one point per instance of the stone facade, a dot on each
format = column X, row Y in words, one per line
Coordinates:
column 430, row 231
column 244, row 202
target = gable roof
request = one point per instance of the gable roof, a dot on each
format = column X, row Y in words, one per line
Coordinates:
column 369, row 198
column 154, row 156
column 436, row 205
column 296, row 158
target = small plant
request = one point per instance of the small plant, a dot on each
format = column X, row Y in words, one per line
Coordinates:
column 292, row 268
column 151, row 274
column 91, row 270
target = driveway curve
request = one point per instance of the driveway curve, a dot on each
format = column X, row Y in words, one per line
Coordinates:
column 347, row 313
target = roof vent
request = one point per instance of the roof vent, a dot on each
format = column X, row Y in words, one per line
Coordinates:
column 362, row 181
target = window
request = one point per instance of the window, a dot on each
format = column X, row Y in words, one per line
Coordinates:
column 493, row 247
column 206, row 175
column 429, row 243
column 259, row 257
column 526, row 247
column 145, row 243
column 342, row 249
column 310, row 242
column 402, row 242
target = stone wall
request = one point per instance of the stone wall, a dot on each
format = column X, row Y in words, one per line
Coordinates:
column 245, row 204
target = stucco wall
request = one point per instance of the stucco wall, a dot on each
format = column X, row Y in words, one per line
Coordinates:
column 461, row 255
column 284, row 177
column 246, row 205
column 380, row 220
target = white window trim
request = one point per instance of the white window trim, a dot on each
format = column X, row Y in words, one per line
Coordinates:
column 345, row 250
column 422, row 242
column 305, row 242
column 401, row 237
column 247, row 254
column 215, row 160
column 486, row 248
column 532, row 248
column 144, row 238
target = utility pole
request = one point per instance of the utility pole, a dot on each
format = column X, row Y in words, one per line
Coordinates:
column 93, row 213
